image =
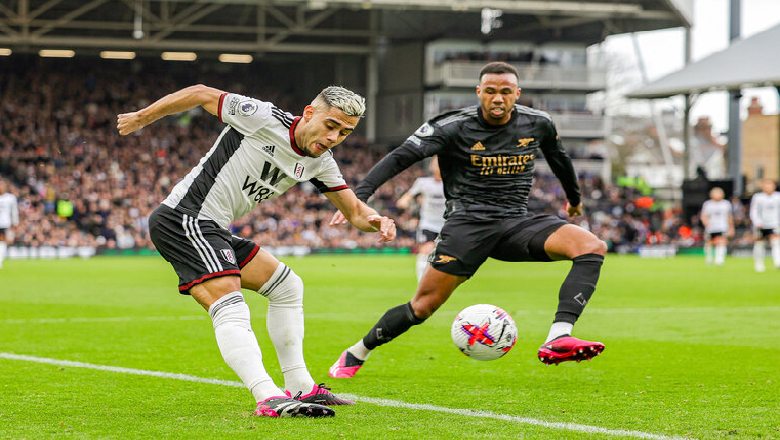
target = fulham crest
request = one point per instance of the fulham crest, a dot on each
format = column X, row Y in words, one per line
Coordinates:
column 298, row 170
column 227, row 254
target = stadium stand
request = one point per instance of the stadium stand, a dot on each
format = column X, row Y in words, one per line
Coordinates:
column 80, row 184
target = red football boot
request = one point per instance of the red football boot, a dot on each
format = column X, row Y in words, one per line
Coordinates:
column 568, row 348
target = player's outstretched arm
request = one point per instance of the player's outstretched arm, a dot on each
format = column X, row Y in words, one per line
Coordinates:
column 184, row 99
column 360, row 215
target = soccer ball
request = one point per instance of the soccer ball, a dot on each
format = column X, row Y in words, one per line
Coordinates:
column 484, row 332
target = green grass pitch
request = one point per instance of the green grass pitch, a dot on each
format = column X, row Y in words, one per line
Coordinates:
column 692, row 352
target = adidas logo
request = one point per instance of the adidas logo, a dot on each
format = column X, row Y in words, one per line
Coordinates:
column 269, row 149
column 478, row 147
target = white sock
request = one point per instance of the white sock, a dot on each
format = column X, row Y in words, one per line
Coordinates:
column 3, row 247
column 559, row 329
column 759, row 249
column 284, row 321
column 775, row 252
column 238, row 345
column 422, row 264
column 720, row 254
column 708, row 253
column 359, row 350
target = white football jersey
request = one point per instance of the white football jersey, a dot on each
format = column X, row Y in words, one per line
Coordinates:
column 718, row 214
column 9, row 211
column 255, row 158
column 765, row 210
column 433, row 203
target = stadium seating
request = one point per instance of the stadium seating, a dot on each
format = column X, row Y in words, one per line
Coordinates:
column 80, row 184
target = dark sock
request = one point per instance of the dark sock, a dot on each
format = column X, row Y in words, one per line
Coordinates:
column 578, row 287
column 394, row 322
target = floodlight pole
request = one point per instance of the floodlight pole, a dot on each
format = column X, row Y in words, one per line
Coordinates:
column 777, row 87
column 372, row 80
column 687, row 112
column 734, row 137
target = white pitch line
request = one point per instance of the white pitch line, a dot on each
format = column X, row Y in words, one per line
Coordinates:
column 371, row 400
column 103, row 319
column 523, row 420
column 63, row 363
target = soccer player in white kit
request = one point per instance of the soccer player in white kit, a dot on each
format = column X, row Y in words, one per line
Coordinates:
column 765, row 216
column 718, row 225
column 262, row 152
column 9, row 216
column 432, row 206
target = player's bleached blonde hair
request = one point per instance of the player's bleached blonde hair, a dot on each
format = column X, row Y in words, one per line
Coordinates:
column 345, row 100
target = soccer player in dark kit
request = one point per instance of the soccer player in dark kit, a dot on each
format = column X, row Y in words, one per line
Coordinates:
column 486, row 155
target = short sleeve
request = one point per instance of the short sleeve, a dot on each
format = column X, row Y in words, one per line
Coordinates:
column 247, row 115
column 329, row 177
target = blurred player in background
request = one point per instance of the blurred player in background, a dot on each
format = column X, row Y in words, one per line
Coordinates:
column 718, row 225
column 9, row 216
column 486, row 154
column 432, row 205
column 262, row 152
column 765, row 216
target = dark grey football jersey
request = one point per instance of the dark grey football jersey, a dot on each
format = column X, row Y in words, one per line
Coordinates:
column 486, row 169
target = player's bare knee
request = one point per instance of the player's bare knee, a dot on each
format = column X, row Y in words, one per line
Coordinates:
column 425, row 305
column 598, row 247
column 422, row 310
column 589, row 244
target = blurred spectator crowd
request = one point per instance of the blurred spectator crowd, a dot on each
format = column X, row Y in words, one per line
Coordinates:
column 80, row 184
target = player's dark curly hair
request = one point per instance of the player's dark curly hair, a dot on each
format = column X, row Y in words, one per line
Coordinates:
column 498, row 67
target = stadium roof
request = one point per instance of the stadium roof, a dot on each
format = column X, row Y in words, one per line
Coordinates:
column 756, row 63
column 316, row 26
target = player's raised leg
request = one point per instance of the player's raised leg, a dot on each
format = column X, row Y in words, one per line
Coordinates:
column 284, row 321
column 434, row 289
column 587, row 254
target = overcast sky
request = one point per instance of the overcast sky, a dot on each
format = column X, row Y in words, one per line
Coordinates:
column 663, row 51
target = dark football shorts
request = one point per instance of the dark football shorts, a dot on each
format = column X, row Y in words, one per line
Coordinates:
column 426, row 235
column 762, row 233
column 198, row 250
column 710, row 235
column 465, row 243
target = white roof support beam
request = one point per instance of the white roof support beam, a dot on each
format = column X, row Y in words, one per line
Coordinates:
column 68, row 17
column 41, row 9
column 187, row 17
column 266, row 24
